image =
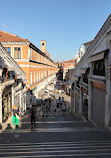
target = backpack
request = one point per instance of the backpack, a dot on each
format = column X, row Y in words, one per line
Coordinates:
column 60, row 102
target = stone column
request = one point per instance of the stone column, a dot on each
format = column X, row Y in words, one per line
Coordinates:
column 108, row 84
column 89, row 100
column 0, row 102
column 25, row 102
column 90, row 93
column 107, row 104
column 12, row 97
column 81, row 102
column 74, row 102
column 107, row 96
column 20, row 98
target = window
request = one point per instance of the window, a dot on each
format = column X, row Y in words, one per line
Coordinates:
column 8, row 49
column 31, row 78
column 86, row 76
column 39, row 75
column 78, row 82
column 17, row 53
column 72, row 86
column 42, row 44
column 41, row 59
column 34, row 55
column 99, row 68
column 30, row 54
column 38, row 57
column 34, row 77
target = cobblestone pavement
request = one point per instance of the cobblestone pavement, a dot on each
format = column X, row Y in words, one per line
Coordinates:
column 56, row 136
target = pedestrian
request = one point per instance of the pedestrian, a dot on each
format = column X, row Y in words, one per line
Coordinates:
column 57, row 109
column 44, row 109
column 62, row 98
column 50, row 103
column 33, row 116
column 16, row 116
column 63, row 108
column 60, row 101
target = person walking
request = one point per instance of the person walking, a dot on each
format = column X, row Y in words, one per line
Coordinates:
column 44, row 109
column 33, row 116
column 63, row 108
column 16, row 116
column 57, row 109
column 49, row 103
column 62, row 98
column 60, row 102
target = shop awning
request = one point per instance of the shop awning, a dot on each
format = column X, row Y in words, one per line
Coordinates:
column 83, row 70
column 11, row 69
column 19, row 76
column 98, row 56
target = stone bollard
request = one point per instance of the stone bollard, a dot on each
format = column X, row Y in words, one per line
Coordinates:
column 0, row 126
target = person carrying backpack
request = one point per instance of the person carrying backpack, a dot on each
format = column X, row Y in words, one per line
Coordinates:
column 63, row 108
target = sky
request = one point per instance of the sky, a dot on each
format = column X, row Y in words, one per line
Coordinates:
column 64, row 24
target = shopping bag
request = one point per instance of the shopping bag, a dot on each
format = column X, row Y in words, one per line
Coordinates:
column 18, row 117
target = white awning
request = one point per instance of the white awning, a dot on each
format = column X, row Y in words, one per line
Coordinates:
column 97, row 56
column 11, row 69
column 19, row 76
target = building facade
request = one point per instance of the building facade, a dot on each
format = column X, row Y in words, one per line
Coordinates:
column 91, row 88
column 70, row 64
column 12, row 85
column 37, row 65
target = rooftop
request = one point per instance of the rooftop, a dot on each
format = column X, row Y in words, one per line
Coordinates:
column 69, row 61
column 9, row 37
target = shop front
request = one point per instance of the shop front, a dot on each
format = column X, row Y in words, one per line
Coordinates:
column 6, row 104
column 85, row 102
column 17, row 100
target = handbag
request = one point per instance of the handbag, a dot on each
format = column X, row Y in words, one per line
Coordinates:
column 17, row 116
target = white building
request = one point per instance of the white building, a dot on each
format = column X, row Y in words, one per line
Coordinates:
column 91, row 88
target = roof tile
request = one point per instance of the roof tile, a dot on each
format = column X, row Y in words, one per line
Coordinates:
column 8, row 37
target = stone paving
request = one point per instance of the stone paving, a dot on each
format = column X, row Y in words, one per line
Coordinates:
column 56, row 136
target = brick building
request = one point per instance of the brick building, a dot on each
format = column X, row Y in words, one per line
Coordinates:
column 37, row 65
